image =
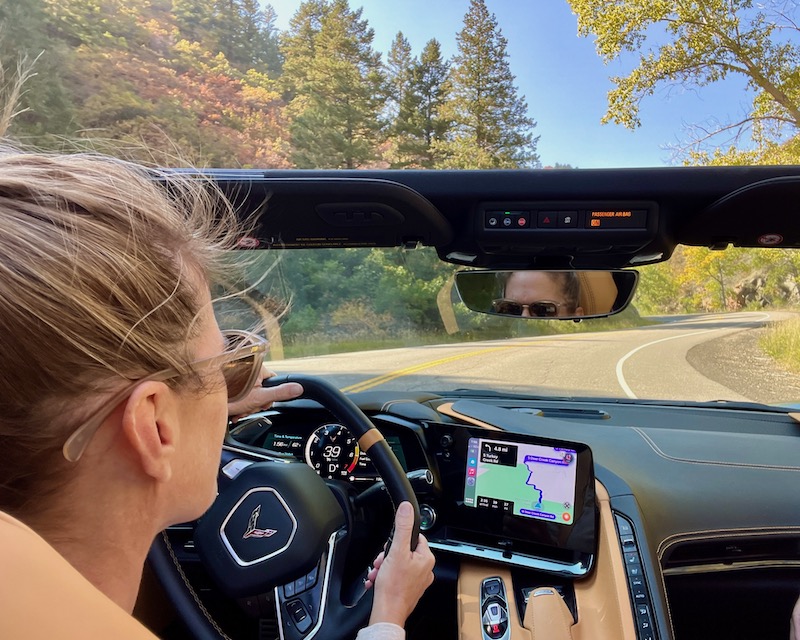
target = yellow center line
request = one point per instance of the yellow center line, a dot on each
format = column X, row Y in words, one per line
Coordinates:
column 387, row 377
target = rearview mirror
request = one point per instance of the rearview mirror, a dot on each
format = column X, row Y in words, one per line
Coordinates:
column 564, row 295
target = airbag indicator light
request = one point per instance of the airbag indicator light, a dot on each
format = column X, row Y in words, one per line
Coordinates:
column 616, row 219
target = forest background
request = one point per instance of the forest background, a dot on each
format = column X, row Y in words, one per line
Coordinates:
column 216, row 84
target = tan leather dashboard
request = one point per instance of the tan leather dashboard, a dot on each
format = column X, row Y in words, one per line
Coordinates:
column 604, row 607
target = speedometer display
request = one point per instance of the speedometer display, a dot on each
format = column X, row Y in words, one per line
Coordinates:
column 332, row 451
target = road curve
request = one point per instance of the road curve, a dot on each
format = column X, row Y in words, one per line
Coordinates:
column 647, row 362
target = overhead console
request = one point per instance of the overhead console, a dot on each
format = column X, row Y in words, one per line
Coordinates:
column 581, row 232
column 302, row 210
column 516, row 499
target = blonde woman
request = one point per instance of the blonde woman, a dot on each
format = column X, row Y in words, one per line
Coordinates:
column 114, row 388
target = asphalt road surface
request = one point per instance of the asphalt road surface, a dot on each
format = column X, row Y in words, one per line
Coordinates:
column 683, row 358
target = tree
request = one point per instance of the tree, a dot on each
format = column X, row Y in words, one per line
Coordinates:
column 491, row 126
column 420, row 90
column 697, row 43
column 335, row 83
column 400, row 69
column 193, row 18
column 268, row 53
column 30, row 80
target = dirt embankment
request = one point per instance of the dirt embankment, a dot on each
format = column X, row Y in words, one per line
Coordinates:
column 739, row 363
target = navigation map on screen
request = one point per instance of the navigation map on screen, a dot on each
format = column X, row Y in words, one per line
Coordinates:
column 528, row 480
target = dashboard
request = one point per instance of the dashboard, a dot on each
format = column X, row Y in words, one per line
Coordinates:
column 522, row 499
column 696, row 495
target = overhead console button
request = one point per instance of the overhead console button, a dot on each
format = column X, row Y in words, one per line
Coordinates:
column 567, row 219
column 548, row 219
column 507, row 219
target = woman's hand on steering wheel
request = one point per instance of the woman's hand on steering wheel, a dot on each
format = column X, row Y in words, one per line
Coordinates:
column 261, row 398
column 401, row 576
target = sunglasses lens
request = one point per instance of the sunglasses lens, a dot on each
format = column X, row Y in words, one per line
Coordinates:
column 242, row 372
column 239, row 376
column 543, row 309
column 507, row 307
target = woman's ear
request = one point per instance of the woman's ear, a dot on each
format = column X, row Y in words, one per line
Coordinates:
column 150, row 427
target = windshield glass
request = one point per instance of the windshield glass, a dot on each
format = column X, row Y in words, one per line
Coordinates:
column 704, row 326
column 463, row 84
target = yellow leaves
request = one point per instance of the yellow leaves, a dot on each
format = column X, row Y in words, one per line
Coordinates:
column 698, row 279
column 695, row 43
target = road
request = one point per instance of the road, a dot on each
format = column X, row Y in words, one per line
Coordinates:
column 647, row 362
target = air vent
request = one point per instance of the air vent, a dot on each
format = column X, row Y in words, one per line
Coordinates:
column 732, row 551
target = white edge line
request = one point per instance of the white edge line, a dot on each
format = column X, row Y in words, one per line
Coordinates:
column 621, row 378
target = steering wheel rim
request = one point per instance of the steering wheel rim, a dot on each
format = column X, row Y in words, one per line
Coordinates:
column 347, row 618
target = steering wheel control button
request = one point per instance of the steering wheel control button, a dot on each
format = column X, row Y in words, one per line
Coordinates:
column 288, row 590
column 311, row 578
column 235, row 467
column 299, row 615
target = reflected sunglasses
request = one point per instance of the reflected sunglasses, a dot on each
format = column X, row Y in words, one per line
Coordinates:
column 240, row 363
column 540, row 309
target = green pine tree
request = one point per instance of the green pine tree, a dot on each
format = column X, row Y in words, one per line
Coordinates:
column 267, row 54
column 228, row 31
column 193, row 18
column 399, row 68
column 491, row 126
column 334, row 82
column 419, row 122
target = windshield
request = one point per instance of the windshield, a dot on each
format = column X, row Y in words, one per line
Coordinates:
column 466, row 84
column 705, row 326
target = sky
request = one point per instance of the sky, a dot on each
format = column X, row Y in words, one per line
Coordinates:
column 564, row 81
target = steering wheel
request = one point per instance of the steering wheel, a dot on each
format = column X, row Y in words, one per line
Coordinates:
column 278, row 527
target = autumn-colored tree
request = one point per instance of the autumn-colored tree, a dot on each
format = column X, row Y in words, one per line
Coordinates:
column 694, row 44
column 491, row 125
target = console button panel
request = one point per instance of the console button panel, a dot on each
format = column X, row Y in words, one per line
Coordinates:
column 637, row 585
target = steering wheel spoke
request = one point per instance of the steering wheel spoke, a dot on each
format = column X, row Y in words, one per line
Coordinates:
column 320, row 604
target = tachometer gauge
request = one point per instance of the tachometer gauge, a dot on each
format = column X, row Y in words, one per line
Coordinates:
column 332, row 451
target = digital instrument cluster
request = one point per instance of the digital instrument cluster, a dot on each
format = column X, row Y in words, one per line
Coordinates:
column 330, row 449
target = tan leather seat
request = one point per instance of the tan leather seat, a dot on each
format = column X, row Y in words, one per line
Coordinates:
column 598, row 292
column 43, row 596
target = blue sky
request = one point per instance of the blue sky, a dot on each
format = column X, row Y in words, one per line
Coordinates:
column 563, row 80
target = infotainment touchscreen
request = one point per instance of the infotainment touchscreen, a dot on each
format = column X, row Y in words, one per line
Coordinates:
column 529, row 480
column 516, row 498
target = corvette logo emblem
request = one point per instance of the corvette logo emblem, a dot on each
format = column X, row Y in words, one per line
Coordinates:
column 253, row 531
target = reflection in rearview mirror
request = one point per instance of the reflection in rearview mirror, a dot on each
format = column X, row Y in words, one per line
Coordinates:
column 565, row 295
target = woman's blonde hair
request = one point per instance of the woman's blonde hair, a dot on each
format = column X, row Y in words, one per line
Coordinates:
column 99, row 265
